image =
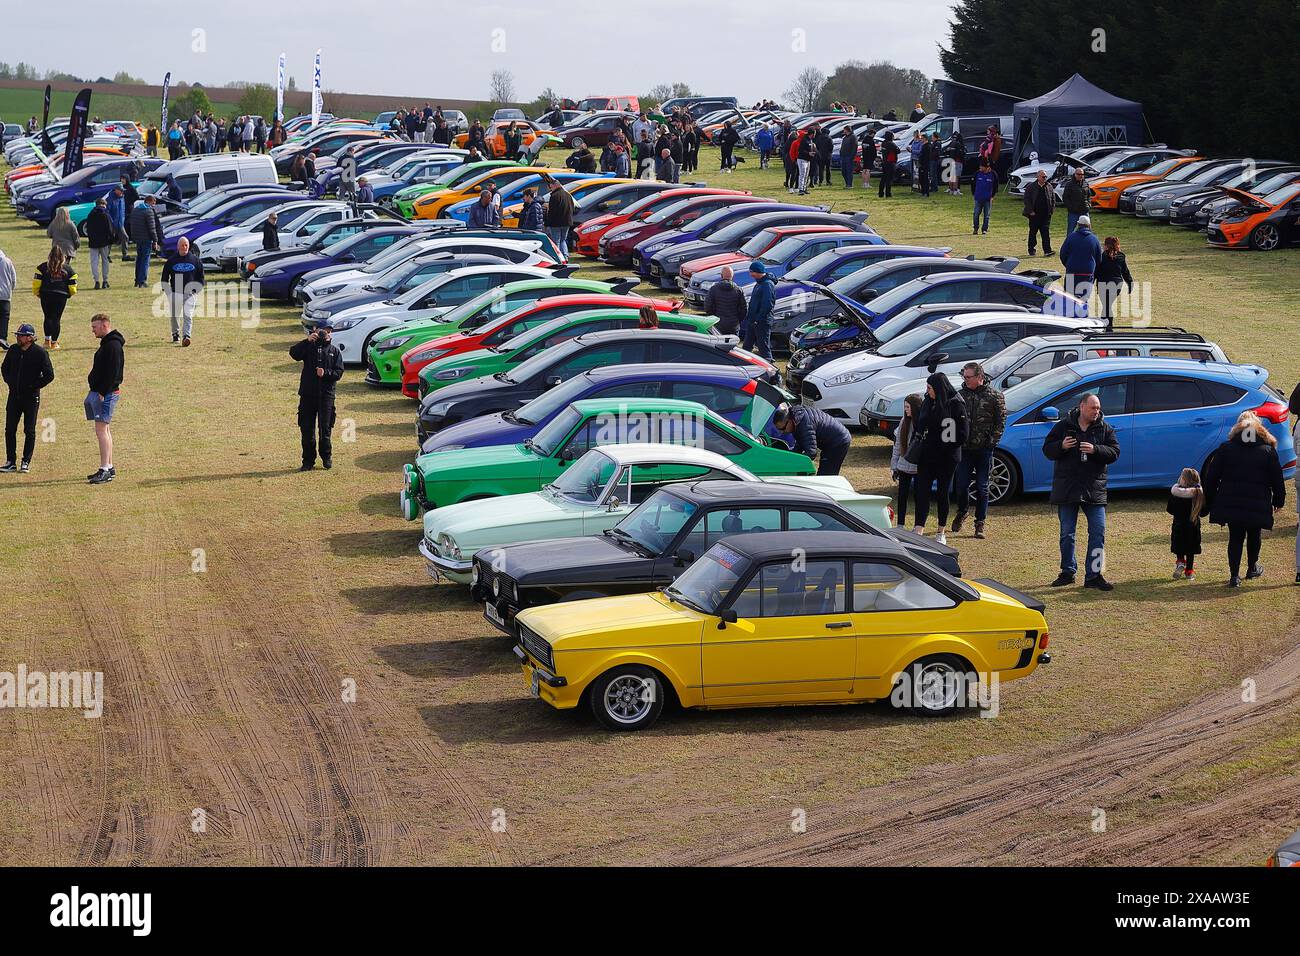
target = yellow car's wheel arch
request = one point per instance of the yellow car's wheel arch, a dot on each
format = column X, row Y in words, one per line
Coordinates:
column 682, row 695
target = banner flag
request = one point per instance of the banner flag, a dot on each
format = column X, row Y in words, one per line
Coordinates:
column 279, row 91
column 167, row 82
column 315, row 93
column 72, row 150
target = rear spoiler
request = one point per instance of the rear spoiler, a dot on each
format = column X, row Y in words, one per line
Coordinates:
column 858, row 217
column 1003, row 263
column 1041, row 277
column 624, row 286
column 563, row 272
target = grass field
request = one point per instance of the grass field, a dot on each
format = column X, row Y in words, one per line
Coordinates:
column 16, row 106
column 232, row 602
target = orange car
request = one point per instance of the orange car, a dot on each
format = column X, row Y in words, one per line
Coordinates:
column 433, row 205
column 1262, row 223
column 1105, row 190
column 494, row 136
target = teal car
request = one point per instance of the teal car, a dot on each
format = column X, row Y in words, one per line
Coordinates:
column 506, row 355
column 384, row 357
column 592, row 496
column 442, row 478
column 78, row 212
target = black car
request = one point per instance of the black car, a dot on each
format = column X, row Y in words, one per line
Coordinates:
column 1183, row 209
column 1223, row 202
column 506, row 391
column 661, row 537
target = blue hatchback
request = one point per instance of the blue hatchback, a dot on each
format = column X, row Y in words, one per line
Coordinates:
column 728, row 390
column 1168, row 414
column 786, row 256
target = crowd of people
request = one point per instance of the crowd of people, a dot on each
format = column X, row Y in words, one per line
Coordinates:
column 201, row 134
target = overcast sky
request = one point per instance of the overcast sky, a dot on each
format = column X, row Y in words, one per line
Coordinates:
column 417, row 48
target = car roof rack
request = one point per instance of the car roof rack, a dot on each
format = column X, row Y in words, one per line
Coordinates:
column 1171, row 332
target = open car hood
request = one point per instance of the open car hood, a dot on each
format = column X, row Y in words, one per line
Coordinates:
column 860, row 314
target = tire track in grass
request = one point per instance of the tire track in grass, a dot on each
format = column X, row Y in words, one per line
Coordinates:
column 985, row 813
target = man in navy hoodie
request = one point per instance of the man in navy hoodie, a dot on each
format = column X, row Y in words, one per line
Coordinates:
column 758, row 316
column 1081, row 254
column 985, row 185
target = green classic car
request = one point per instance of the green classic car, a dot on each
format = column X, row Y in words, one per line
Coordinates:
column 443, row 478
column 404, row 199
column 507, row 355
column 592, row 495
column 384, row 357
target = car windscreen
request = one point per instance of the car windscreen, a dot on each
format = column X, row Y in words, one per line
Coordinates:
column 1162, row 168
column 655, row 522
column 706, row 583
column 896, row 296
column 1039, row 387
column 549, row 437
column 862, row 278
column 909, row 343
column 1212, row 174
column 671, row 210
column 784, row 249
column 597, row 196
column 757, row 244
column 729, row 235
column 1277, row 197
column 549, row 402
column 585, row 480
column 1007, row 359
column 544, row 360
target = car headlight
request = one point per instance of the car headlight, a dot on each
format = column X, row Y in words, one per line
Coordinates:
column 653, row 248
column 850, row 378
column 329, row 290
column 588, row 230
column 435, row 354
column 269, row 272
column 1160, row 197
column 448, row 545
column 396, row 342
column 439, row 408
column 496, row 586
column 447, row 374
column 1107, row 189
column 340, row 324
column 473, row 575
column 43, row 193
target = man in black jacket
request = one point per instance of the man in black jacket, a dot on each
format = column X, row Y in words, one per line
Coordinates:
column 182, row 279
column 271, row 233
column 105, row 381
column 559, row 217
column 1082, row 445
column 26, row 370
column 322, row 367
column 727, row 302
column 1040, row 203
column 815, row 432
column 727, row 140
column 146, row 232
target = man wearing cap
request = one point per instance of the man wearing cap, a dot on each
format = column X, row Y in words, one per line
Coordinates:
column 322, row 367
column 758, row 316
column 1081, row 254
column 815, row 433
column 365, row 192
column 26, row 370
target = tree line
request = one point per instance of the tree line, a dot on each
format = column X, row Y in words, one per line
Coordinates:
column 1212, row 75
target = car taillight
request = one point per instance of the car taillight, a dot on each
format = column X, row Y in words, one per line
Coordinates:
column 1042, row 641
column 893, row 516
column 1274, row 412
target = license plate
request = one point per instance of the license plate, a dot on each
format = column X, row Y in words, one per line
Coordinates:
column 805, row 400
column 655, row 269
column 534, row 685
column 433, row 570
column 492, row 614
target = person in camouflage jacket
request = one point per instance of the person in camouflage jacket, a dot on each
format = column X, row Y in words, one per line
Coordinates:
column 986, row 412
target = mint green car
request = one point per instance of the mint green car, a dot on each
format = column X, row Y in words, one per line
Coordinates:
column 442, row 478
column 592, row 496
column 508, row 354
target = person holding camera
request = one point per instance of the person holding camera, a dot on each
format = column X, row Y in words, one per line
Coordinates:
column 322, row 367
column 1081, row 446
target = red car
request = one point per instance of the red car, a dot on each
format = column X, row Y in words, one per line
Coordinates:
column 762, row 242
column 617, row 244
column 510, row 325
column 590, row 233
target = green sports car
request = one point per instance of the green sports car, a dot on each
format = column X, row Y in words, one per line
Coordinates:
column 384, row 358
column 502, row 358
column 464, row 474
column 404, row 199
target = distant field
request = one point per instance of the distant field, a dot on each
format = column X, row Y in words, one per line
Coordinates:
column 17, row 105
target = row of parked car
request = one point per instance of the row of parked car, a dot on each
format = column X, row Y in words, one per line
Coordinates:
column 1239, row 202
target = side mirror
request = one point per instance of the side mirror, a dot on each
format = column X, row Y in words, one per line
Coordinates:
column 552, row 381
column 684, row 557
column 614, row 504
column 934, row 360
column 1051, row 414
column 1012, row 380
column 868, row 294
column 726, row 616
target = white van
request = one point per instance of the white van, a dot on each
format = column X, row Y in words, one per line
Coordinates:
column 194, row 174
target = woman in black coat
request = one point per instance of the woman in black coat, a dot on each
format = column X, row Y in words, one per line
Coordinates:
column 1112, row 273
column 943, row 428
column 1243, row 488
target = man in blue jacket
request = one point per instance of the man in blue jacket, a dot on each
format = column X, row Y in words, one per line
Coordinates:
column 815, row 433
column 985, row 185
column 1081, row 254
column 758, row 316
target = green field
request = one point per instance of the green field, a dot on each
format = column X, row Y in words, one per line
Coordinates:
column 229, row 599
column 16, row 106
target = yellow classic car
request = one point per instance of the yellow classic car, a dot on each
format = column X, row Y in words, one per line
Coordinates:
column 786, row 618
column 577, row 189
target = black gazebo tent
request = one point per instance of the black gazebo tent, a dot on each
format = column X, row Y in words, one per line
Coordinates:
column 1073, row 115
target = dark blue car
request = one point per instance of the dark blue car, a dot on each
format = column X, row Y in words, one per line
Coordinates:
column 85, row 185
column 726, row 389
column 230, row 213
column 278, row 279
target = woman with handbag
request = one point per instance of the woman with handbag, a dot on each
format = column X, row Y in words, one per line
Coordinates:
column 943, row 426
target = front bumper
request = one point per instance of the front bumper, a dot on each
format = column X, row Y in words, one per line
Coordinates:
column 440, row 566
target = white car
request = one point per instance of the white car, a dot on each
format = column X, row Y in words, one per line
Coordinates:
column 223, row 248
column 840, row 388
column 296, row 228
column 1018, row 179
column 523, row 252
column 354, row 329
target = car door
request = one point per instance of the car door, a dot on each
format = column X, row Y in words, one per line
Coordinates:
column 1031, row 428
column 892, row 609
column 1176, row 424
column 793, row 639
